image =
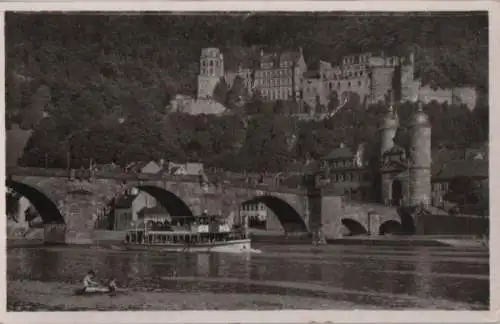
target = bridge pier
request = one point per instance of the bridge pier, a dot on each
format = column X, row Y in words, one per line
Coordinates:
column 54, row 233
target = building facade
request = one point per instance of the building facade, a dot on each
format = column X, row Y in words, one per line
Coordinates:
column 279, row 76
column 348, row 173
column 285, row 76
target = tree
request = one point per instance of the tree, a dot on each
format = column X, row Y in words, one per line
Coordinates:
column 254, row 106
column 464, row 190
column 220, row 93
column 333, row 101
column 237, row 94
column 279, row 108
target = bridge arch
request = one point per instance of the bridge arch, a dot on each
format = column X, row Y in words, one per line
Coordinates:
column 390, row 227
column 48, row 210
column 354, row 227
column 172, row 203
column 286, row 214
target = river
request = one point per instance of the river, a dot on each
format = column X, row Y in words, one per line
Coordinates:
column 349, row 277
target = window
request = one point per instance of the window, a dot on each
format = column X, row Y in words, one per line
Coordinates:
column 211, row 63
column 359, row 83
column 203, row 63
column 349, row 84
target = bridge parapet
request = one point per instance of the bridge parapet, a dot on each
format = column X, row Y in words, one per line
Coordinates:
column 132, row 177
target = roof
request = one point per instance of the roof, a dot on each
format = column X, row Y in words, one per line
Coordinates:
column 125, row 202
column 291, row 56
column 340, row 153
column 174, row 169
column 463, row 168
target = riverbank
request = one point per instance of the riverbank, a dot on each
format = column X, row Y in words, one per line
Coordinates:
column 49, row 296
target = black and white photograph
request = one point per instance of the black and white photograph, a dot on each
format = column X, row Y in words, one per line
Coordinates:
column 247, row 160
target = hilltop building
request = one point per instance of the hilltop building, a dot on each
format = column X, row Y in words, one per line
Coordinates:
column 277, row 76
column 285, row 76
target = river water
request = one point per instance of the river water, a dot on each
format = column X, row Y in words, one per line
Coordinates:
column 386, row 277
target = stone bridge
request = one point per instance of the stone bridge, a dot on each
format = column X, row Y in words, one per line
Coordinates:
column 69, row 206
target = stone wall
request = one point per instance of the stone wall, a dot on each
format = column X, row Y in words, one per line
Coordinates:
column 453, row 225
column 334, row 210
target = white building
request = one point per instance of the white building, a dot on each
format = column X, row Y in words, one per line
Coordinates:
column 253, row 211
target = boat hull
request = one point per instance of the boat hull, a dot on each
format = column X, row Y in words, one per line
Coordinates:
column 229, row 246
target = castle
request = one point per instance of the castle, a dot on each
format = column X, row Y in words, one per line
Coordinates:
column 285, row 76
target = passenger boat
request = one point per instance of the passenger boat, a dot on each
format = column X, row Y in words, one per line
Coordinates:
column 199, row 234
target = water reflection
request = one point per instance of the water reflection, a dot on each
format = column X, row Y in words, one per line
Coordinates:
column 410, row 271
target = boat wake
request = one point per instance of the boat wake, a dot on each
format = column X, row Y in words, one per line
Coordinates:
column 242, row 251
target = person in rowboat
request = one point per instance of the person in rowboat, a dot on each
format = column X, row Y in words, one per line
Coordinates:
column 89, row 285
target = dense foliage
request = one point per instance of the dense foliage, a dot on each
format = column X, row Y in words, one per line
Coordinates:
column 105, row 83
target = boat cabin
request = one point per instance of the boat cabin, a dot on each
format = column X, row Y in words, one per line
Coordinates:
column 205, row 229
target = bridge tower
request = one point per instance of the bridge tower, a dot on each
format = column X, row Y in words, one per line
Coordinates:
column 420, row 159
column 388, row 128
column 387, row 132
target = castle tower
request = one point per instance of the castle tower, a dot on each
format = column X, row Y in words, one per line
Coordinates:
column 211, row 71
column 388, row 129
column 420, row 158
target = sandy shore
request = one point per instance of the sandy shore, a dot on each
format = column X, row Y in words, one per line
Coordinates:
column 51, row 296
column 48, row 296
